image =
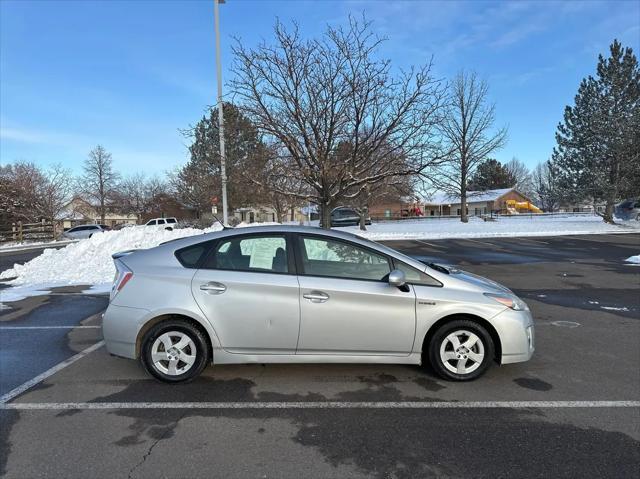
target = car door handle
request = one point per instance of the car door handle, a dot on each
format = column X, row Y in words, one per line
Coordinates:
column 316, row 296
column 213, row 288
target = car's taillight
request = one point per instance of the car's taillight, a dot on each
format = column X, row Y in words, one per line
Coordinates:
column 123, row 275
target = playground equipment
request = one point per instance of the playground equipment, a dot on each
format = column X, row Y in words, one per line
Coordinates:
column 516, row 207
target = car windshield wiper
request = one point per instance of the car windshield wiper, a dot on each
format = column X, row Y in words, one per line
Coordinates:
column 438, row 267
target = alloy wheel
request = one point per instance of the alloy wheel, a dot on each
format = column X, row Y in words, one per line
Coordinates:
column 173, row 353
column 462, row 352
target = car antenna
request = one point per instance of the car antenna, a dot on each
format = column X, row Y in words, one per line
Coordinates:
column 224, row 227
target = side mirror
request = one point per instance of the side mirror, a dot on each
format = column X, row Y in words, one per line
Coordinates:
column 397, row 278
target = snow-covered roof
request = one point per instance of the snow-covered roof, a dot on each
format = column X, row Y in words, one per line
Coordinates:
column 442, row 198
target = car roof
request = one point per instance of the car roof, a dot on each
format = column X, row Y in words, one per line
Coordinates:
column 315, row 230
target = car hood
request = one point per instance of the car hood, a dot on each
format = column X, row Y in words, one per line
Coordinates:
column 480, row 282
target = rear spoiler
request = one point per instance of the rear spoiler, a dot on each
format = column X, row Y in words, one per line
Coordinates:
column 120, row 254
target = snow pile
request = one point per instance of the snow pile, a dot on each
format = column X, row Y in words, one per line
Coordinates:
column 431, row 228
column 89, row 261
column 633, row 259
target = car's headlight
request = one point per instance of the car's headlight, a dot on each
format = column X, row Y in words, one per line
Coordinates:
column 508, row 300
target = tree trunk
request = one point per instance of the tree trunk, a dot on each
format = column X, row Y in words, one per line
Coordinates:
column 607, row 217
column 463, row 207
column 362, row 212
column 325, row 215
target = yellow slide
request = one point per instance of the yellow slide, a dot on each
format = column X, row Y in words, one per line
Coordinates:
column 515, row 207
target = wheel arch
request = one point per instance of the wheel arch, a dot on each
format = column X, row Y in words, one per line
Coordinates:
column 495, row 337
column 172, row 316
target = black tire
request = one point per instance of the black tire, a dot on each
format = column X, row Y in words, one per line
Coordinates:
column 90, row 235
column 440, row 336
column 202, row 351
column 169, row 228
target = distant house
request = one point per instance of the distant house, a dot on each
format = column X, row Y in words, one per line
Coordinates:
column 585, row 206
column 401, row 207
column 478, row 203
column 265, row 214
column 80, row 211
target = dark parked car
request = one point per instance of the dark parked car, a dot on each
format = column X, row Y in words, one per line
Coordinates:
column 345, row 216
column 628, row 209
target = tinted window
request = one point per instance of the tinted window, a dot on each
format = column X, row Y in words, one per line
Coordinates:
column 171, row 220
column 152, row 222
column 160, row 222
column 190, row 256
column 265, row 254
column 415, row 276
column 339, row 259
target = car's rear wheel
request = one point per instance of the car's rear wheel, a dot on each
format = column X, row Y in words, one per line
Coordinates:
column 461, row 350
column 174, row 351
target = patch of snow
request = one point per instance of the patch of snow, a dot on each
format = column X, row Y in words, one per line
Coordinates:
column 612, row 308
column 633, row 259
column 17, row 246
column 100, row 288
column 19, row 293
column 430, row 228
column 594, row 302
column 87, row 262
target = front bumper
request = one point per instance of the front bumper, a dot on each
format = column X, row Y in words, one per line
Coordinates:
column 517, row 336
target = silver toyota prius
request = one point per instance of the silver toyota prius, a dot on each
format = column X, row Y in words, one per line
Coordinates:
column 279, row 294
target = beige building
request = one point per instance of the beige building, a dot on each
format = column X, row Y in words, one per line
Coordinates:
column 478, row 203
column 80, row 211
column 265, row 214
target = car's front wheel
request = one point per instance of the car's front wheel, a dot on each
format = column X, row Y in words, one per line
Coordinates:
column 174, row 351
column 461, row 350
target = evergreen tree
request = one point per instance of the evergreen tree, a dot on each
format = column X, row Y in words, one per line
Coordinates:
column 597, row 143
column 199, row 181
column 491, row 175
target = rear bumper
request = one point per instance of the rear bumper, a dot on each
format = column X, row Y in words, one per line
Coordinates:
column 120, row 327
column 517, row 335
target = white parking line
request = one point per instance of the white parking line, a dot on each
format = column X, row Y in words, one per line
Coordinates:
column 50, row 327
column 49, row 372
column 476, row 241
column 425, row 242
column 325, row 405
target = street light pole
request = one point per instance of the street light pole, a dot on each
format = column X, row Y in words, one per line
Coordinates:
column 223, row 169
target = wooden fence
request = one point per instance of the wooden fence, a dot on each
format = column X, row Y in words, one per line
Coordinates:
column 28, row 231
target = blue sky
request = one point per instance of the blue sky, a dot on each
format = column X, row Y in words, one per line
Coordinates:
column 130, row 74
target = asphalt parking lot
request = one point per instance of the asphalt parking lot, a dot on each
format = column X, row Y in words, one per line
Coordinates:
column 572, row 411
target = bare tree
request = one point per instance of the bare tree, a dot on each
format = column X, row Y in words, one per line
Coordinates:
column 467, row 132
column 20, row 195
column 54, row 191
column 99, row 179
column 137, row 194
column 310, row 96
column 274, row 185
column 522, row 175
column 545, row 186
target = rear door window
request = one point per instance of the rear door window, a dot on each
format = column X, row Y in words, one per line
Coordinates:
column 260, row 254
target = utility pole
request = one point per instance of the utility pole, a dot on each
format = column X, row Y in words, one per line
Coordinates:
column 223, row 169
